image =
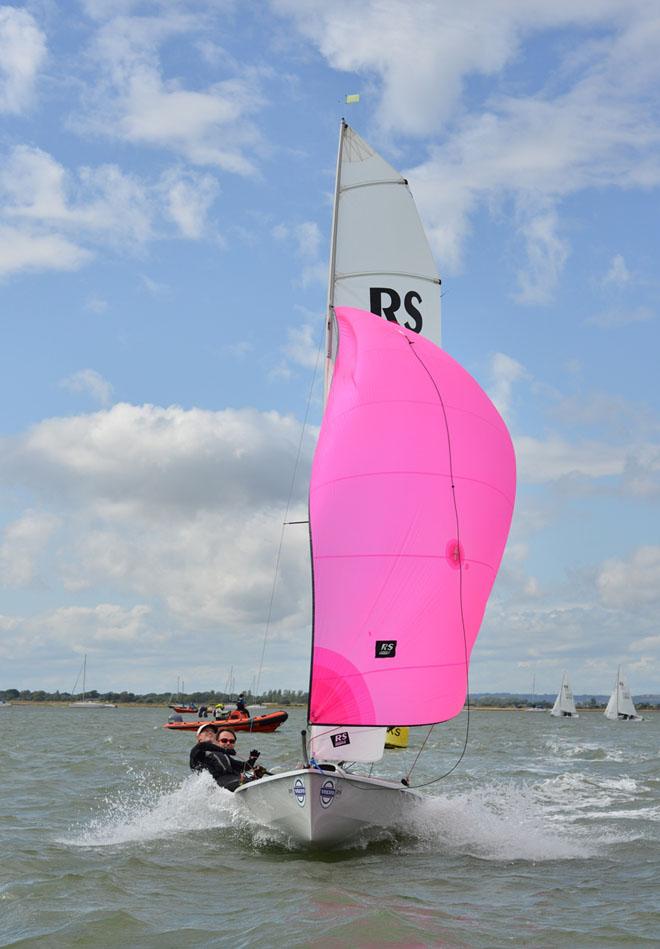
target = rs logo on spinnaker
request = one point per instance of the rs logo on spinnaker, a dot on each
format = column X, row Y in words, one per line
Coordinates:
column 385, row 648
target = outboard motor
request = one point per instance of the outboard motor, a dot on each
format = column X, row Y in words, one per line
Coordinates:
column 174, row 717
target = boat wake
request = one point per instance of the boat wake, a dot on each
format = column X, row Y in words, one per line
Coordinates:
column 497, row 822
column 555, row 819
column 143, row 814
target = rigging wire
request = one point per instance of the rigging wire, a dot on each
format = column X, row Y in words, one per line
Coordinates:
column 285, row 520
column 406, row 780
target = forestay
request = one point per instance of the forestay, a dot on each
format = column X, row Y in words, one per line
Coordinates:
column 411, row 499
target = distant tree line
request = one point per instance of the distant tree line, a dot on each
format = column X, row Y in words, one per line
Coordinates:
column 299, row 697
column 278, row 696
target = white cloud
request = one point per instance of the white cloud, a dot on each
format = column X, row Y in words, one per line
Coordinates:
column 617, row 317
column 592, row 124
column 25, row 249
column 96, row 304
column 101, row 201
column 303, row 344
column 555, row 457
column 135, row 103
column 633, row 582
column 183, row 507
column 546, row 256
column 505, row 371
column 618, row 273
column 80, row 629
column 305, row 241
column 188, row 198
column 23, row 541
column 47, row 214
column 55, row 219
column 90, row 381
column 22, row 53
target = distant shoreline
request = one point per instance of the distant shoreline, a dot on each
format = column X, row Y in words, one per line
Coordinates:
column 473, row 708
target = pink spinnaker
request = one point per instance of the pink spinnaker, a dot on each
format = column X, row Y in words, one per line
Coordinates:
column 411, row 498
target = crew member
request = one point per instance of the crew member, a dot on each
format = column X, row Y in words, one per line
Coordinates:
column 215, row 752
column 240, row 703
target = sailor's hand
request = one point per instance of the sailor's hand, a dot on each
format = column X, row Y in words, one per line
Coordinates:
column 254, row 754
column 258, row 771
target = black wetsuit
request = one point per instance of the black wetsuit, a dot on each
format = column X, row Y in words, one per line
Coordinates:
column 223, row 765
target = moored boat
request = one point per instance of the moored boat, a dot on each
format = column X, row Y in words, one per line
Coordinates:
column 83, row 702
column 236, row 720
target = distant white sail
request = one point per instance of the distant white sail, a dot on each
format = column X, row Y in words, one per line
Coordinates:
column 564, row 706
column 621, row 706
column 380, row 258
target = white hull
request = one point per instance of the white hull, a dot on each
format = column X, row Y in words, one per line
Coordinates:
column 326, row 807
column 91, row 705
column 624, row 718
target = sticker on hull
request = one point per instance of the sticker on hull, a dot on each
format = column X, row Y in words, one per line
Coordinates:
column 299, row 791
column 327, row 793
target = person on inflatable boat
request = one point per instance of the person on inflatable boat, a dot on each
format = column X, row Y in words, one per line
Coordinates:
column 215, row 752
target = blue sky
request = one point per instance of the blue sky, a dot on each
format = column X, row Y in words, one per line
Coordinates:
column 165, row 199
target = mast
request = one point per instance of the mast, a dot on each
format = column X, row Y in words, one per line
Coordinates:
column 617, row 687
column 84, row 674
column 330, row 316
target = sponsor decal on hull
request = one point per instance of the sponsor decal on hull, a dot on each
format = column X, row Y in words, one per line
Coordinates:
column 327, row 793
column 299, row 791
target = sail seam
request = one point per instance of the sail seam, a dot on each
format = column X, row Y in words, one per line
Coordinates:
column 422, row 474
column 370, row 184
column 386, row 273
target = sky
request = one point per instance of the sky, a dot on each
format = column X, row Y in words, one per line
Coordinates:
column 166, row 181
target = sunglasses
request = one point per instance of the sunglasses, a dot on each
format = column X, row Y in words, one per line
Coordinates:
column 227, row 741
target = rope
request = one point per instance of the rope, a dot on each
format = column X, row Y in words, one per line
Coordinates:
column 284, row 522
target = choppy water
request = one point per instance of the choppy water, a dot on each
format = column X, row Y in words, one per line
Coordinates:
column 546, row 835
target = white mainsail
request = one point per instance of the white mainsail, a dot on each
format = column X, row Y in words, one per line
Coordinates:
column 380, row 258
column 621, row 706
column 564, row 706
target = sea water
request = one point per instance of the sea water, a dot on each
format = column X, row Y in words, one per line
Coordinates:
column 546, row 834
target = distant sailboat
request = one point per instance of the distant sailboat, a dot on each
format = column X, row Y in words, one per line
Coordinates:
column 532, row 707
column 621, row 707
column 83, row 702
column 564, row 706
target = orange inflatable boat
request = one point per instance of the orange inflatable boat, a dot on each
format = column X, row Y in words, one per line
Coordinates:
column 239, row 721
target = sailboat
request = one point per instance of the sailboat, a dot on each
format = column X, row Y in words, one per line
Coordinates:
column 83, row 702
column 532, row 707
column 410, row 503
column 564, row 706
column 621, row 707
